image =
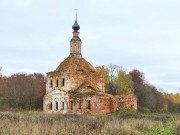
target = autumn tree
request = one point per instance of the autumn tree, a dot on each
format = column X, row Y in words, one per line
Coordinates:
column 39, row 83
column 25, row 91
column 2, row 91
column 175, row 98
column 104, row 71
column 123, row 83
column 113, row 72
column 147, row 95
column 138, row 85
column 1, row 86
column 116, row 79
column 109, row 73
column 173, row 101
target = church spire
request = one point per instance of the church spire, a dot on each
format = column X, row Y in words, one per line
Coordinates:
column 76, row 27
column 75, row 42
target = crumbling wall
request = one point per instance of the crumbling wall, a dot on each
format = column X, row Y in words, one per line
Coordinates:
column 100, row 104
column 127, row 101
column 74, row 79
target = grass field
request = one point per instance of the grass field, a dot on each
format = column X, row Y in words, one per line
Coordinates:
column 122, row 122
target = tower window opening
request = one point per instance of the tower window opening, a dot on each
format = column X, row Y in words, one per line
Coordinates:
column 89, row 104
column 62, row 105
column 63, row 82
column 51, row 83
column 57, row 83
column 56, row 105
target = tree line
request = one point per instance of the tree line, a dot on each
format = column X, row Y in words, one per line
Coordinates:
column 22, row 91
column 149, row 98
column 26, row 91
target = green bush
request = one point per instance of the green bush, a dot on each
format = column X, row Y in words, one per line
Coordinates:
column 167, row 128
column 1, row 103
column 145, row 110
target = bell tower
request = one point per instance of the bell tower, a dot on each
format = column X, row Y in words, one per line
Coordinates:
column 75, row 42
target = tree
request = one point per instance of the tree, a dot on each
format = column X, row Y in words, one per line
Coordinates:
column 104, row 71
column 39, row 83
column 25, row 91
column 147, row 95
column 124, row 83
column 113, row 72
column 137, row 76
column 116, row 79
column 173, row 101
column 139, row 87
column 1, row 86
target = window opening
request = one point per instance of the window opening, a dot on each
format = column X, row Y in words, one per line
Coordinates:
column 57, row 83
column 71, row 105
column 56, row 105
column 63, row 82
column 51, row 84
column 88, row 104
column 80, row 103
column 62, row 105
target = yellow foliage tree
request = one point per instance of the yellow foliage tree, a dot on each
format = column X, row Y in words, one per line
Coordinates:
column 105, row 73
column 124, row 83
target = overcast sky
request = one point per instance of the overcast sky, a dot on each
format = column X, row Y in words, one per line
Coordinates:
column 134, row 34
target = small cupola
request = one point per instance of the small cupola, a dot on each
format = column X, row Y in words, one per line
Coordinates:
column 76, row 26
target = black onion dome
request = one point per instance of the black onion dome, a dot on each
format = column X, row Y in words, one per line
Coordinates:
column 76, row 26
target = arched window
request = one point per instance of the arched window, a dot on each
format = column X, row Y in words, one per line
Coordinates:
column 62, row 105
column 63, row 82
column 80, row 104
column 56, row 105
column 57, row 83
column 51, row 83
column 89, row 104
column 71, row 105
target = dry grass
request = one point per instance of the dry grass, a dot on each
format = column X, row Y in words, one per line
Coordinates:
column 38, row 123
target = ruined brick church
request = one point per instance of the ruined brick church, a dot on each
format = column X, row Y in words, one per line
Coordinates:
column 75, row 86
